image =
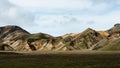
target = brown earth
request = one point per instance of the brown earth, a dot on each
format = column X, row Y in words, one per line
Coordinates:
column 14, row 38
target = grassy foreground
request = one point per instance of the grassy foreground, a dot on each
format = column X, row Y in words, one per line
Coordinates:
column 60, row 60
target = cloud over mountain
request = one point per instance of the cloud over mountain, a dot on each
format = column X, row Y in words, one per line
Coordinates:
column 59, row 17
column 11, row 14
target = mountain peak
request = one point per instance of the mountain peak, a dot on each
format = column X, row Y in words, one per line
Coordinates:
column 89, row 29
column 117, row 25
column 115, row 29
column 11, row 27
column 11, row 32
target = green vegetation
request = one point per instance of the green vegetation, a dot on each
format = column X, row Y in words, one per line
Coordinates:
column 1, row 46
column 68, row 39
column 22, row 37
column 63, row 60
column 32, row 39
column 35, row 37
column 111, row 47
column 83, row 45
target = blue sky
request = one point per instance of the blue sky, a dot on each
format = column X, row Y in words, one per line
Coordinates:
column 59, row 17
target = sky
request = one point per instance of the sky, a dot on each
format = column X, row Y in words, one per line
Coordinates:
column 59, row 17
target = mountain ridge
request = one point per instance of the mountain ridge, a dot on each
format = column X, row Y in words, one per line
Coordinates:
column 14, row 38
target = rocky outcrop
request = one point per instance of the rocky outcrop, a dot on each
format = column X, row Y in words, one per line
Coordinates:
column 5, row 47
column 115, row 29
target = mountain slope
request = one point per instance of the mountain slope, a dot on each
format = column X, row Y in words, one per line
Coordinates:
column 14, row 38
column 115, row 29
column 112, row 45
column 111, row 42
column 86, row 39
column 9, row 35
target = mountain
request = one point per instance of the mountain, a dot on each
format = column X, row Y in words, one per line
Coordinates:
column 110, row 43
column 11, row 34
column 87, row 39
column 115, row 29
column 14, row 38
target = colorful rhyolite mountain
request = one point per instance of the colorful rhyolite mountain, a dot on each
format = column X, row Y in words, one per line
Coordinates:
column 14, row 38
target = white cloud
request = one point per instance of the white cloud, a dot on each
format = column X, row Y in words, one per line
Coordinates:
column 62, row 4
column 14, row 15
column 62, row 24
column 4, row 5
column 16, row 12
column 53, row 4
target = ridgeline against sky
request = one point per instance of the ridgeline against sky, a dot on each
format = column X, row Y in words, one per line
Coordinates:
column 58, row 17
